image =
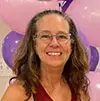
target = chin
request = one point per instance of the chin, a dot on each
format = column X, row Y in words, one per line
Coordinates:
column 56, row 64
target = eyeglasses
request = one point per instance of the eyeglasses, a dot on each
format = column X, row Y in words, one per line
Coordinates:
column 62, row 38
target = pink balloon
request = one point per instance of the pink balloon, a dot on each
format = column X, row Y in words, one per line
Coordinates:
column 17, row 13
column 86, row 14
column 94, row 88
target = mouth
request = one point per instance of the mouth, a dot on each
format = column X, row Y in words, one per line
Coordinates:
column 54, row 53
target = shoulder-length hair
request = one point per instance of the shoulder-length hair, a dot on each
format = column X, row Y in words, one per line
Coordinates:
column 27, row 62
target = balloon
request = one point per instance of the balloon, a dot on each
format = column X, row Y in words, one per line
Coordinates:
column 64, row 4
column 86, row 14
column 97, row 70
column 9, row 46
column 17, row 13
column 98, row 65
column 94, row 58
column 94, row 88
column 85, row 42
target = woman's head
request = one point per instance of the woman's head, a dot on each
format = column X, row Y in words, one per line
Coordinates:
column 31, row 51
column 53, row 44
column 34, row 28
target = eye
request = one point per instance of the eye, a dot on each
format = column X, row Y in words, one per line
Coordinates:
column 45, row 36
column 62, row 36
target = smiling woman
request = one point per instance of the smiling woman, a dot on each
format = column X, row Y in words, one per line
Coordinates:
column 51, row 62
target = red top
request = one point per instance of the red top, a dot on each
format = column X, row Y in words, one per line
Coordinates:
column 41, row 95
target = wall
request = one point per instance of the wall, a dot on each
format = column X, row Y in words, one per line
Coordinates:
column 5, row 71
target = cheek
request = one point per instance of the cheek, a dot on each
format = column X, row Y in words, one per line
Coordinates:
column 40, row 48
column 68, row 48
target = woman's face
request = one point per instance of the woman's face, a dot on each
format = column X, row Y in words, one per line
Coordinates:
column 53, row 51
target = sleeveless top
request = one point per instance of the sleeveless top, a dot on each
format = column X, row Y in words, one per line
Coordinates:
column 41, row 95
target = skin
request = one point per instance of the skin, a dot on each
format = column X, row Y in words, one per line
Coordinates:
column 15, row 92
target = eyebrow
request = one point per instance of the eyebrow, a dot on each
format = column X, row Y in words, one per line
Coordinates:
column 62, row 32
column 44, row 31
column 47, row 31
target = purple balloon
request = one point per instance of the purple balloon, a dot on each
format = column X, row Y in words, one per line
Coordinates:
column 94, row 87
column 86, row 44
column 64, row 4
column 94, row 58
column 9, row 46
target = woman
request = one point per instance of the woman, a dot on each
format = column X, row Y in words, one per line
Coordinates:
column 51, row 62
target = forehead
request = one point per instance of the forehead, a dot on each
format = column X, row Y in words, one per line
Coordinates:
column 53, row 23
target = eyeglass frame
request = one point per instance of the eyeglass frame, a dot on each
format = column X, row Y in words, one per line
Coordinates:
column 52, row 36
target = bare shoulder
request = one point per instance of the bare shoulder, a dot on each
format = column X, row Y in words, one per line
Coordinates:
column 84, row 96
column 15, row 92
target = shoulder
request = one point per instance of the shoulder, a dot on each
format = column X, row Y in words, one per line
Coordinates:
column 84, row 96
column 15, row 92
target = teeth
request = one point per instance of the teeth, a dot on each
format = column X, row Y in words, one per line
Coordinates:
column 54, row 54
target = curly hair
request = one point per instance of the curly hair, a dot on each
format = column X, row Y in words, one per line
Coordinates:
column 27, row 63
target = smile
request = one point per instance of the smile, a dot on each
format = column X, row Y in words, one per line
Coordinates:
column 54, row 53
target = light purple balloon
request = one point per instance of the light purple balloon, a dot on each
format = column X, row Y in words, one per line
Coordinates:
column 94, row 88
column 9, row 46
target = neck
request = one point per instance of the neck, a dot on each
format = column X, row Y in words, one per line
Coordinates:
column 51, row 77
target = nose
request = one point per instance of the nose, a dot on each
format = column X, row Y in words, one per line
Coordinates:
column 54, row 42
